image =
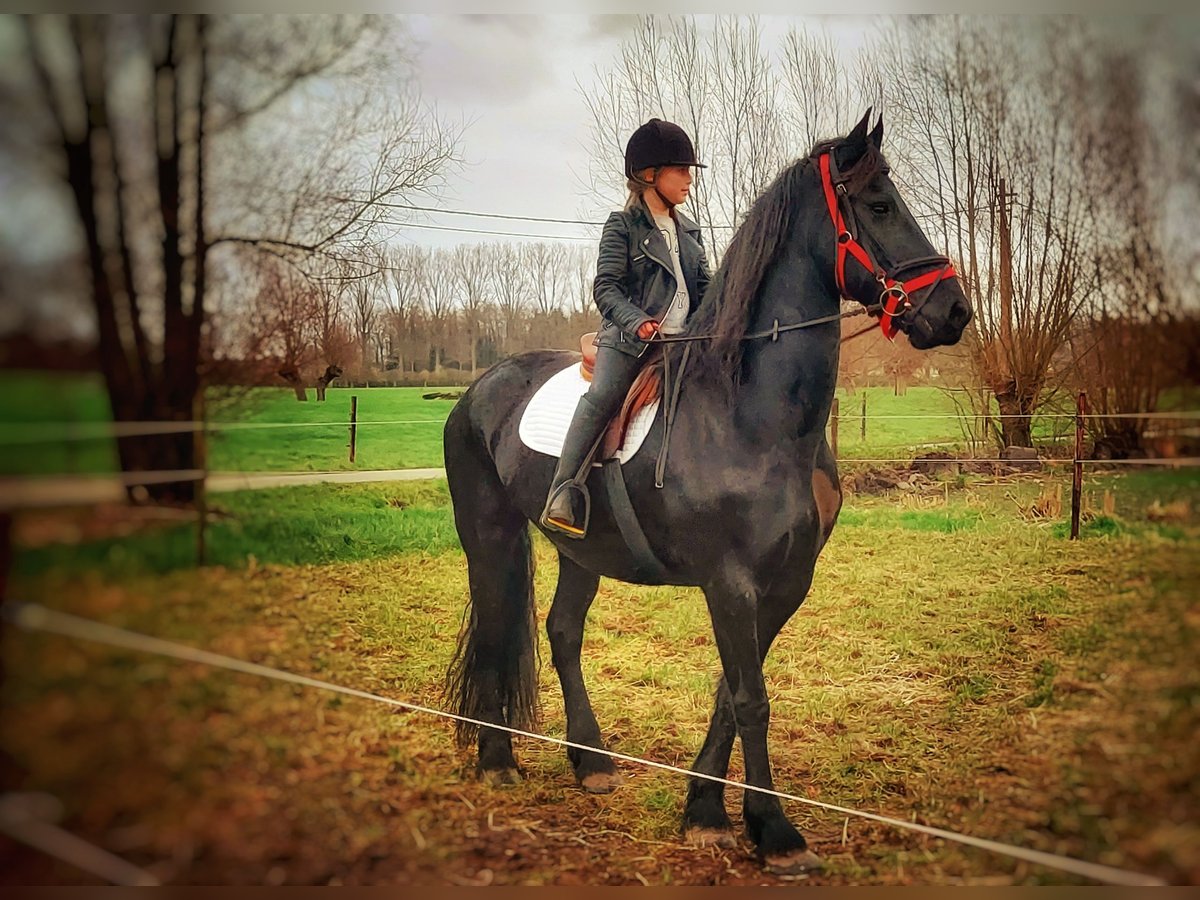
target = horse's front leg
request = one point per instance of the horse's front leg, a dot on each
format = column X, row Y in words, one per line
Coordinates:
column 735, row 612
column 705, row 821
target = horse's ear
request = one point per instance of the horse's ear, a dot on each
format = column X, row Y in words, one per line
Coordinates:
column 858, row 137
column 877, row 134
column 855, row 145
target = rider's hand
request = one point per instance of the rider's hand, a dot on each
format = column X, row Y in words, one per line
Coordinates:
column 647, row 329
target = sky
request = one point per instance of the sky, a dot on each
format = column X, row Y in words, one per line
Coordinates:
column 513, row 78
column 516, row 80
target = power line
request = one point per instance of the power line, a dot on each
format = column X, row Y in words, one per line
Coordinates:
column 551, row 237
column 486, row 215
column 463, row 212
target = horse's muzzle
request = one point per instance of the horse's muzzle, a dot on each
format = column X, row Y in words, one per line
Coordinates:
column 926, row 331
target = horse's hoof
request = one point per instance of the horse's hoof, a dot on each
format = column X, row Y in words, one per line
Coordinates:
column 711, row 837
column 500, row 777
column 601, row 782
column 798, row 862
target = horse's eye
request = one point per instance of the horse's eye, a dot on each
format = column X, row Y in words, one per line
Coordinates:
column 880, row 209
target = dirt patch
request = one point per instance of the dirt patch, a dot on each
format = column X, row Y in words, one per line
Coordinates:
column 40, row 528
column 921, row 473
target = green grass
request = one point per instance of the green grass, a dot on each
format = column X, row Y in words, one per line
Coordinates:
column 901, row 438
column 312, row 524
column 30, row 400
column 416, row 444
column 953, row 663
column 47, row 397
column 321, row 524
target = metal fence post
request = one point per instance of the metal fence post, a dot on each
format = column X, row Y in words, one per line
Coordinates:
column 863, row 434
column 1077, row 481
column 353, row 424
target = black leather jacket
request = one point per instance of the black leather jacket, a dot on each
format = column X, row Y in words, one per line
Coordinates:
column 635, row 279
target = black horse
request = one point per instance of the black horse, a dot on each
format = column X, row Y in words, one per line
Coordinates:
column 751, row 492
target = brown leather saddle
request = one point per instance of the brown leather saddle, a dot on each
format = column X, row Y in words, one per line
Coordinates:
column 646, row 388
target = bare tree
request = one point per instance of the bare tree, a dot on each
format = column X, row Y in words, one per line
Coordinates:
column 365, row 311
column 154, row 122
column 582, row 269
column 404, row 266
column 818, row 85
column 986, row 142
column 511, row 282
column 331, row 334
column 1131, row 345
column 285, row 312
column 470, row 263
column 438, row 290
column 547, row 275
column 747, row 138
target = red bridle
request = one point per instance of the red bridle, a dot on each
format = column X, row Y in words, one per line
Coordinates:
column 893, row 298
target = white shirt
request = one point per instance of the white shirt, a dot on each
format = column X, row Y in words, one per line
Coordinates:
column 676, row 315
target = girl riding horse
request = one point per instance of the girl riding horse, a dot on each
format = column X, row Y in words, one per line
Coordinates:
column 650, row 276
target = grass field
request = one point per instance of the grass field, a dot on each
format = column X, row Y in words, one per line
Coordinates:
column 317, row 438
column 955, row 663
column 323, row 524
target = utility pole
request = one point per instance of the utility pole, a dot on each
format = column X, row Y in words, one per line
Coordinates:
column 1006, row 281
column 1005, row 377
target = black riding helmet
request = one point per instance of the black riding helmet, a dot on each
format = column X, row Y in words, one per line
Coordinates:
column 659, row 143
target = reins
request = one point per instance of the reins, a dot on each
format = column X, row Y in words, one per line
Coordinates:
column 776, row 329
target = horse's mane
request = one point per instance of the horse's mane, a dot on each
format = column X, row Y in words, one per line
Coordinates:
column 727, row 307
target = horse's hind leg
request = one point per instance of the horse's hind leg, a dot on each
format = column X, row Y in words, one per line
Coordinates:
column 573, row 597
column 494, row 674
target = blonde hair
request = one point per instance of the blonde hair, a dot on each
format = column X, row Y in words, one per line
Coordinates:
column 636, row 186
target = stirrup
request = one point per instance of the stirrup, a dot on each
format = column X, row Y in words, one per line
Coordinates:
column 570, row 529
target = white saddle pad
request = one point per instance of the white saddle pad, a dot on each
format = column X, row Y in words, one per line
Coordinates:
column 544, row 425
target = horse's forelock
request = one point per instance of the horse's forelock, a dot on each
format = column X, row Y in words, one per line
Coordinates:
column 858, row 175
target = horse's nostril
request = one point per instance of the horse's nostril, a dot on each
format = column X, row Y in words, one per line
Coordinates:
column 960, row 315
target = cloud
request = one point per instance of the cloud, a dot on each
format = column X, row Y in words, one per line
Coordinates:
column 607, row 27
column 471, row 60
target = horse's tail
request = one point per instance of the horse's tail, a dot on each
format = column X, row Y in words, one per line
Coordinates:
column 494, row 674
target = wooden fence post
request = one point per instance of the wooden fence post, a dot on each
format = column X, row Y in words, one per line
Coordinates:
column 833, row 428
column 11, row 774
column 353, row 424
column 1077, row 481
column 200, row 493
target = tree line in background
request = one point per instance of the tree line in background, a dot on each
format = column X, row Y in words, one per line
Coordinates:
column 236, row 182
column 427, row 316
column 413, row 315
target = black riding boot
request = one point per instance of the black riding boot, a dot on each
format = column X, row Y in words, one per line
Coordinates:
column 568, row 504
